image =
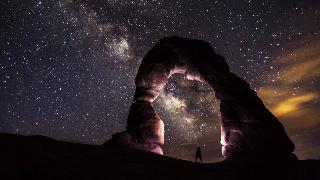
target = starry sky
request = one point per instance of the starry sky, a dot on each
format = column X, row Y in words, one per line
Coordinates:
column 67, row 67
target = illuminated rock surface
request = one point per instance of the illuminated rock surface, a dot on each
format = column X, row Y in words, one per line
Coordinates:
column 247, row 127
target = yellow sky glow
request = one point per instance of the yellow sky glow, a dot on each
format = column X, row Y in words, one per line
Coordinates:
column 293, row 103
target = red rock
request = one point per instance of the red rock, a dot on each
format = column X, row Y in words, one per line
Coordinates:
column 247, row 125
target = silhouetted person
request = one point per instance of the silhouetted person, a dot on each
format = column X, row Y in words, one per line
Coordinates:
column 198, row 154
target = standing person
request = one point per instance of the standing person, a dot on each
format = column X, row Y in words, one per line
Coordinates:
column 198, row 154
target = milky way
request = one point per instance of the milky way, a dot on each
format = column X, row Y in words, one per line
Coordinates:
column 67, row 67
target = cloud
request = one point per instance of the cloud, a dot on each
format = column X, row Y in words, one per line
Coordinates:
column 292, row 104
column 300, row 65
column 304, row 70
column 294, row 96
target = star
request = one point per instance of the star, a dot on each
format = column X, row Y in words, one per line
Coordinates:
column 67, row 68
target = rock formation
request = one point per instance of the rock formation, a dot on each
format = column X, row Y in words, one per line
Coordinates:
column 247, row 125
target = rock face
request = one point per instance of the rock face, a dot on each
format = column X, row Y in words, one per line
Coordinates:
column 247, row 125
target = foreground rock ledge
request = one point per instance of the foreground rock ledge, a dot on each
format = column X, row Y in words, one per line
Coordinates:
column 39, row 158
column 247, row 126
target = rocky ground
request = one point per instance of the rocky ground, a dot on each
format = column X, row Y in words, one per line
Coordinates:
column 38, row 157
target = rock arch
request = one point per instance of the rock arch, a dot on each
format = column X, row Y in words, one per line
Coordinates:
column 247, row 126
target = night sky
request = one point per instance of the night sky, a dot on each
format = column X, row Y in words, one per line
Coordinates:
column 67, row 67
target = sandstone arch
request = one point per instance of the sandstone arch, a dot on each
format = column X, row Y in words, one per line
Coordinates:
column 247, row 125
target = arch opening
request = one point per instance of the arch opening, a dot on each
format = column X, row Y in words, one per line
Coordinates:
column 191, row 117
